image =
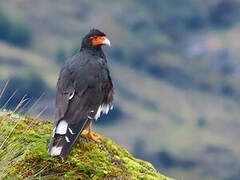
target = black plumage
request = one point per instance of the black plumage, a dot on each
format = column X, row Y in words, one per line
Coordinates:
column 84, row 89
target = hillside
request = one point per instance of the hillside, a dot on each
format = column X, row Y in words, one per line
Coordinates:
column 23, row 154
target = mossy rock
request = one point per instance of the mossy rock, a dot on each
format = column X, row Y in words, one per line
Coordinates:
column 23, row 154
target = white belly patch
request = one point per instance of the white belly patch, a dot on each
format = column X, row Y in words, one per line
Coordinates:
column 102, row 108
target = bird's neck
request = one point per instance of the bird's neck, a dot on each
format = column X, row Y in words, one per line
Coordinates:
column 97, row 51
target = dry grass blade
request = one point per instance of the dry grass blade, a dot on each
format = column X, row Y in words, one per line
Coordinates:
column 6, row 170
column 23, row 107
column 52, row 176
column 41, row 112
column 18, row 106
column 6, row 123
column 39, row 172
column 34, row 104
column 9, row 99
column 20, row 103
column 29, row 126
column 4, row 88
column 13, row 152
column 9, row 156
column 9, row 134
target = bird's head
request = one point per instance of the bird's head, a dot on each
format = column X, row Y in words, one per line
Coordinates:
column 95, row 39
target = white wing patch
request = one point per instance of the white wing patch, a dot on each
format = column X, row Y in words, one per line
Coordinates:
column 55, row 151
column 71, row 95
column 62, row 127
column 71, row 131
column 67, row 139
column 102, row 108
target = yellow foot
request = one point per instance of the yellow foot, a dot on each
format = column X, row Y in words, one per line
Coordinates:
column 91, row 136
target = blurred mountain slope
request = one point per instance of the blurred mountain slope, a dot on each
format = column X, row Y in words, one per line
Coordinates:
column 17, row 61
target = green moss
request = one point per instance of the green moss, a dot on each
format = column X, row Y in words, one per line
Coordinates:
column 25, row 155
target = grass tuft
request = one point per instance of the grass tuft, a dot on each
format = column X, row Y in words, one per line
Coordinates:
column 23, row 154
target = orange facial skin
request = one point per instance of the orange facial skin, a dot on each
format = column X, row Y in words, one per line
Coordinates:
column 98, row 40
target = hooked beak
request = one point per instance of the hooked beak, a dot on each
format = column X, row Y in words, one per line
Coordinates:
column 106, row 42
column 100, row 40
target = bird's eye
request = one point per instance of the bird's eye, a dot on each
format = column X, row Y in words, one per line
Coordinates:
column 93, row 37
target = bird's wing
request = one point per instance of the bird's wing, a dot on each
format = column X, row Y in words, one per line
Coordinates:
column 79, row 94
column 66, row 90
column 109, row 91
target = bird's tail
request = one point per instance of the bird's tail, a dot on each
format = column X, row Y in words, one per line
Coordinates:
column 64, row 136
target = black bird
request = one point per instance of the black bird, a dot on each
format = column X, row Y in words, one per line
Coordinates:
column 84, row 90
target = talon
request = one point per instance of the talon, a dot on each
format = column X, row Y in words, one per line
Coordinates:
column 90, row 135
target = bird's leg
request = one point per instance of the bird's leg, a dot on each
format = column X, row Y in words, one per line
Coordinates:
column 90, row 135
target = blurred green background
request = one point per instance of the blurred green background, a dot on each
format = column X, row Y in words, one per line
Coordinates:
column 175, row 65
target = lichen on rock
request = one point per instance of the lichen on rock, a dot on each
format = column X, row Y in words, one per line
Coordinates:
column 23, row 154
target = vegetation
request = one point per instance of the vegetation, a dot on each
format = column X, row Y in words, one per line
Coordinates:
column 32, row 87
column 23, row 154
column 14, row 30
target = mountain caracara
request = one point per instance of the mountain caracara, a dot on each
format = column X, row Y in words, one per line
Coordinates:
column 84, row 90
